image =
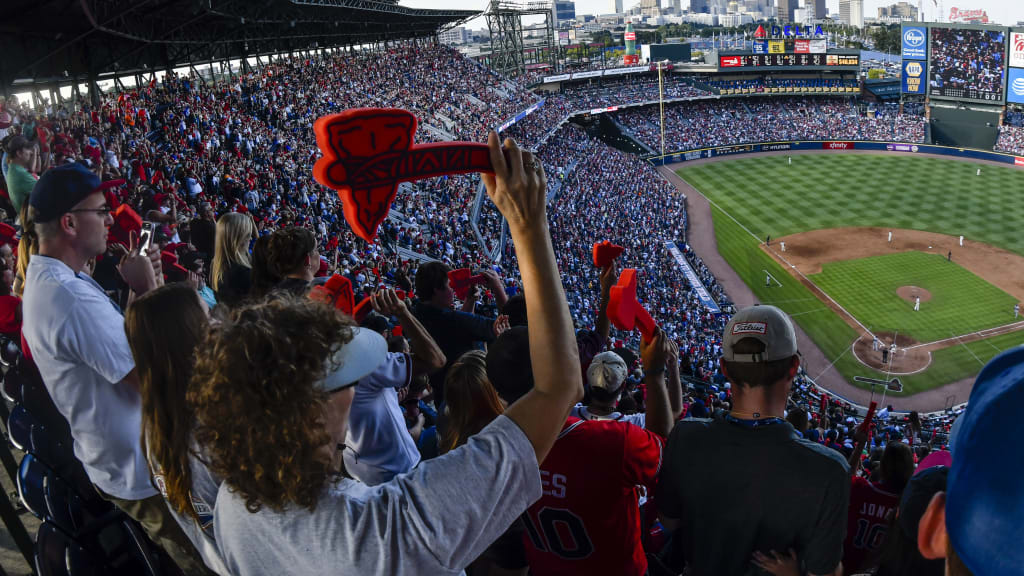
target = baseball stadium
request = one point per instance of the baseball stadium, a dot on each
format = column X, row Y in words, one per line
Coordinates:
column 308, row 286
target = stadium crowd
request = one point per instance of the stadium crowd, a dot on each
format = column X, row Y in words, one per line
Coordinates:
column 965, row 60
column 698, row 124
column 279, row 437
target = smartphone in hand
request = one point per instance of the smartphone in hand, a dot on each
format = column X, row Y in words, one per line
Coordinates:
column 146, row 237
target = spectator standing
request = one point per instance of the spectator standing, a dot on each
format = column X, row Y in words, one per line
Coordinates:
column 976, row 523
column 292, row 255
column 899, row 555
column 874, row 504
column 22, row 162
column 591, row 476
column 301, row 518
column 456, row 332
column 204, row 229
column 786, row 492
column 77, row 339
column 378, row 445
column 163, row 327
column 231, row 272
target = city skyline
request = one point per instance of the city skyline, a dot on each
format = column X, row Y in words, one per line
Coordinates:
column 1002, row 12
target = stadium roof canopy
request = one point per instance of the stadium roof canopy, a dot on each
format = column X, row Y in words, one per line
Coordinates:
column 55, row 41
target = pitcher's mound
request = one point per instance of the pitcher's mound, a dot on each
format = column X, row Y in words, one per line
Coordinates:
column 908, row 293
column 905, row 361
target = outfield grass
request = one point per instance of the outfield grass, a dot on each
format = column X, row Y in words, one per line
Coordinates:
column 830, row 191
column 961, row 302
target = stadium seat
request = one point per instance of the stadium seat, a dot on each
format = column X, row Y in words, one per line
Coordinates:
column 52, row 550
column 19, row 428
column 32, row 477
column 12, row 388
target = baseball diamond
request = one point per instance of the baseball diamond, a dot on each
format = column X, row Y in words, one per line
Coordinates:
column 835, row 213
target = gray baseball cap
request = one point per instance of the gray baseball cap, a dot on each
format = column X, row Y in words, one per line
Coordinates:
column 766, row 324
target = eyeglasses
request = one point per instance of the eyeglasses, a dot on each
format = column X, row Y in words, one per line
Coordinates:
column 102, row 210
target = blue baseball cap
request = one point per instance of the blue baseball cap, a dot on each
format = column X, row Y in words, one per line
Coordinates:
column 985, row 493
column 60, row 189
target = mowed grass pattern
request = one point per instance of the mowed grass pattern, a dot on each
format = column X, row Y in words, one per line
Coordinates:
column 824, row 191
column 961, row 302
column 770, row 197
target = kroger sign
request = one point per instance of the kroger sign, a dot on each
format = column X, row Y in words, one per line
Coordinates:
column 914, row 45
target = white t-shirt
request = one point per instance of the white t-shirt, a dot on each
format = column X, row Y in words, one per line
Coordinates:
column 77, row 339
column 434, row 520
column 378, row 445
column 203, row 494
column 580, row 411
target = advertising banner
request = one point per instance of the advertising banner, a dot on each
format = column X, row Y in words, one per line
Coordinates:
column 913, row 77
column 557, row 78
column 837, row 145
column 915, row 45
column 1018, row 161
column 818, row 46
column 776, row 147
column 1015, row 86
column 802, row 46
column 627, row 70
column 730, row 61
column 901, row 148
column 776, row 47
column 760, row 46
column 587, row 74
column 630, row 36
column 1017, row 49
column 693, row 279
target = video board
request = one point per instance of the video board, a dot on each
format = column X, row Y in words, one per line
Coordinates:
column 967, row 63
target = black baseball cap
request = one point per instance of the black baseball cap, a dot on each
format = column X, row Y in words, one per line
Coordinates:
column 59, row 189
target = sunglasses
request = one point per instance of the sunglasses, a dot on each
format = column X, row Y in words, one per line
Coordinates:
column 102, row 210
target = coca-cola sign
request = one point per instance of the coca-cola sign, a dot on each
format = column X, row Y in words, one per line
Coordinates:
column 978, row 16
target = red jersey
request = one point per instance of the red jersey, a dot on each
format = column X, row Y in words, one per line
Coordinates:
column 588, row 519
column 871, row 506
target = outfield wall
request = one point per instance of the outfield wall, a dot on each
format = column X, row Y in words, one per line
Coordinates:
column 719, row 151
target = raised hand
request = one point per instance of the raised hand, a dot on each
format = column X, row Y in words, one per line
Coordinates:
column 518, row 186
column 388, row 303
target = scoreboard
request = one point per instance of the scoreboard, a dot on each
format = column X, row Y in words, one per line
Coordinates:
column 788, row 60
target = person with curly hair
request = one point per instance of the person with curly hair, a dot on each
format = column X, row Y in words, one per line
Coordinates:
column 163, row 328
column 272, row 391
column 292, row 256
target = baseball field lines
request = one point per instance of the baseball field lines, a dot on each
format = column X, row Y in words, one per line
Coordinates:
column 953, row 298
column 759, row 196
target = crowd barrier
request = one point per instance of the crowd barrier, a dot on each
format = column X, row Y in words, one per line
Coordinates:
column 718, row 151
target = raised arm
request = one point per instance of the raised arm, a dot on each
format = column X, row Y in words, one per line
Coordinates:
column 654, row 356
column 518, row 188
column 608, row 278
column 427, row 357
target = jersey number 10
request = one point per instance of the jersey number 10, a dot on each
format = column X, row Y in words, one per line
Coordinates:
column 547, row 523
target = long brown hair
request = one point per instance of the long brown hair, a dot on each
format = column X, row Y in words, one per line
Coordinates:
column 472, row 401
column 27, row 247
column 164, row 327
column 260, row 412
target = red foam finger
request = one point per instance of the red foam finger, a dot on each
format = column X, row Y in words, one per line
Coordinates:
column 369, row 151
column 605, row 253
column 624, row 311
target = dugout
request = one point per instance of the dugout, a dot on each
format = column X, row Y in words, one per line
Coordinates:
column 963, row 127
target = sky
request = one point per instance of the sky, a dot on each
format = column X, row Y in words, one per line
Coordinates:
column 1004, row 12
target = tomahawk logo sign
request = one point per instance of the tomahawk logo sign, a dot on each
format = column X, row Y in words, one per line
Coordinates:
column 1017, row 49
column 1015, row 86
column 914, row 46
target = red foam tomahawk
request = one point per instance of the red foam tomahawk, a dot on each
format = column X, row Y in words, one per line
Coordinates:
column 461, row 281
column 605, row 253
column 337, row 292
column 866, row 424
column 625, row 311
column 369, row 151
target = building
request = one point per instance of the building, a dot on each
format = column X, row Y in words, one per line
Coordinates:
column 456, row 35
column 857, row 13
column 819, row 9
column 565, row 11
column 785, row 10
column 734, row 20
column 676, row 7
column 650, row 8
column 902, row 11
column 616, row 6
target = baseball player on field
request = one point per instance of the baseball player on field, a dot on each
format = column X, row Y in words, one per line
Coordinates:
column 917, row 305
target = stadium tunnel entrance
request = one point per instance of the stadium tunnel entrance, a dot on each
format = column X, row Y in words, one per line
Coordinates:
column 606, row 129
